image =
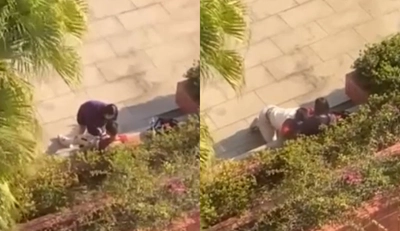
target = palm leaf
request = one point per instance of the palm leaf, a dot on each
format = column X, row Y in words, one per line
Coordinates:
column 221, row 20
column 19, row 130
column 36, row 33
column 34, row 39
column 206, row 146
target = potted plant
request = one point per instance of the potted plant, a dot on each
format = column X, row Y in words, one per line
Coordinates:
column 354, row 88
column 377, row 70
column 187, row 95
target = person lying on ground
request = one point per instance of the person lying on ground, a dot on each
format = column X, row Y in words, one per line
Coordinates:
column 321, row 115
column 321, row 106
column 311, row 125
column 270, row 120
column 113, row 138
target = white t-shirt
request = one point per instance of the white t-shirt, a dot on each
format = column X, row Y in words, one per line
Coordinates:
column 278, row 115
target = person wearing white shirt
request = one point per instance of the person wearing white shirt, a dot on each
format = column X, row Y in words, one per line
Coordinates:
column 270, row 121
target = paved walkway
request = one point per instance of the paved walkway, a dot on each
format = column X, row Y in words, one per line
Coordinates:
column 299, row 50
column 135, row 53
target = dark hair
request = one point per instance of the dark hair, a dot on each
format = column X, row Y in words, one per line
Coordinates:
column 112, row 128
column 321, row 106
column 110, row 109
column 301, row 114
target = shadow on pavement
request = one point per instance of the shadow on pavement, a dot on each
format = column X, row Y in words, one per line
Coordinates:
column 137, row 117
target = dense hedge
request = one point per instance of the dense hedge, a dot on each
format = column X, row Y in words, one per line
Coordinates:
column 305, row 173
column 378, row 66
column 150, row 184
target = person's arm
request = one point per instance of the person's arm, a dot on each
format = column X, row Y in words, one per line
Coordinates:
column 81, row 120
column 94, row 130
column 116, row 115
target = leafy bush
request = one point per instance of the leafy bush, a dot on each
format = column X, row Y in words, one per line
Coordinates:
column 150, row 184
column 378, row 66
column 46, row 190
column 305, row 171
column 308, row 204
column 229, row 192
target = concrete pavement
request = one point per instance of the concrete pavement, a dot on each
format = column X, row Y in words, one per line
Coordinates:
column 134, row 54
column 299, row 49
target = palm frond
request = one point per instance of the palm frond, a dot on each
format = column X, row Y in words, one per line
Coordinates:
column 35, row 33
column 19, row 130
column 207, row 154
column 221, row 20
column 229, row 65
column 33, row 40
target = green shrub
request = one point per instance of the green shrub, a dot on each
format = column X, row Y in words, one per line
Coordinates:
column 46, row 190
column 378, row 66
column 328, row 200
column 228, row 193
column 306, row 165
column 139, row 179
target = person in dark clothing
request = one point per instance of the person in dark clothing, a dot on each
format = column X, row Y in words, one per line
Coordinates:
column 93, row 116
column 321, row 106
column 301, row 114
column 291, row 127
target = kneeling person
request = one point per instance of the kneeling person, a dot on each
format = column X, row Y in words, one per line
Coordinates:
column 271, row 119
column 92, row 117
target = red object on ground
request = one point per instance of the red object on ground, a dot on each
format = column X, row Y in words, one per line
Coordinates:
column 122, row 138
column 354, row 90
column 183, row 99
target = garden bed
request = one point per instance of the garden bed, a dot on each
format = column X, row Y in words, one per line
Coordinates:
column 60, row 196
column 380, row 210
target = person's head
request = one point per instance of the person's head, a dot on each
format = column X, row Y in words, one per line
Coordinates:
column 112, row 128
column 321, row 106
column 110, row 111
column 290, row 129
column 301, row 114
